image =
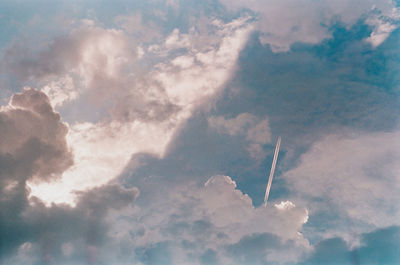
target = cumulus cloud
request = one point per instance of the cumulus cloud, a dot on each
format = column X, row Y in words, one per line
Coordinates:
column 283, row 23
column 195, row 223
column 33, row 139
column 354, row 175
column 256, row 131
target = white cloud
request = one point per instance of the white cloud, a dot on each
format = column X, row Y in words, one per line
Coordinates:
column 283, row 23
column 147, row 108
column 357, row 174
column 215, row 216
column 256, row 131
column 191, row 86
column 382, row 27
column 177, row 40
column 183, row 61
column 101, row 151
column 60, row 91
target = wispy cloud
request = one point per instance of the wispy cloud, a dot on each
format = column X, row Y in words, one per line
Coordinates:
column 356, row 174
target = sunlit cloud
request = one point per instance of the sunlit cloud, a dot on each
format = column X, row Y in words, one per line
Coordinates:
column 102, row 150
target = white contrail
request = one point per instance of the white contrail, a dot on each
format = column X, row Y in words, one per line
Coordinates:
column 271, row 174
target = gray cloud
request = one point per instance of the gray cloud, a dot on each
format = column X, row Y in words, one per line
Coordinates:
column 64, row 53
column 60, row 234
column 256, row 131
column 32, row 138
column 33, row 147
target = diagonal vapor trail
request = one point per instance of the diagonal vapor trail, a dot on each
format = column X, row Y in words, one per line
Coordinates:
column 271, row 174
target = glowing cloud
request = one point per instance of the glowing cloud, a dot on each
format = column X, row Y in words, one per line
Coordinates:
column 146, row 114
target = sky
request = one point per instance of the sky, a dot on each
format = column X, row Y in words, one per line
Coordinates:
column 143, row 132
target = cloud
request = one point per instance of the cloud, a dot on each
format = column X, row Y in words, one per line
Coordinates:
column 33, row 147
column 135, row 25
column 256, row 131
column 194, row 223
column 61, row 91
column 87, row 50
column 232, row 126
column 33, row 139
column 353, row 175
column 126, row 109
column 383, row 26
column 127, row 92
column 378, row 247
column 61, row 234
column 100, row 150
column 283, row 23
column 263, row 249
column 187, row 224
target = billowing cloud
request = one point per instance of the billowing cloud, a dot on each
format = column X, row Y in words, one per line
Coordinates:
column 256, row 131
column 33, row 139
column 194, row 222
column 283, row 23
